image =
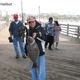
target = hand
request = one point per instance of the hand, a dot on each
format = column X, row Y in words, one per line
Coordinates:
column 34, row 35
column 11, row 36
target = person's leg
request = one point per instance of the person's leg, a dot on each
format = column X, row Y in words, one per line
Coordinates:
column 41, row 68
column 21, row 46
column 57, row 40
column 50, row 42
column 56, row 44
column 47, row 40
column 53, row 41
column 33, row 72
column 16, row 46
column 26, row 49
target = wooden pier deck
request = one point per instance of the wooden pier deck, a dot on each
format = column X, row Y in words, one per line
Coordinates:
column 63, row 64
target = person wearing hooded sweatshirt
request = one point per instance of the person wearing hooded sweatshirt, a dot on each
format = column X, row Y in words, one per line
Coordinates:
column 38, row 33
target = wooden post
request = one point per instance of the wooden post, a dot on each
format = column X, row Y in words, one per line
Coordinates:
column 67, row 29
column 78, row 33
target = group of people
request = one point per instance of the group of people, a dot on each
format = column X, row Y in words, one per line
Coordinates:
column 52, row 33
column 42, row 36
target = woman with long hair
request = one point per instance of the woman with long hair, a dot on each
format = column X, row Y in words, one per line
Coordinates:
column 57, row 30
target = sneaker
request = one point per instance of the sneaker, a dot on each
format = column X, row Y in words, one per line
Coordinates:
column 56, row 48
column 17, row 56
column 50, row 49
column 24, row 56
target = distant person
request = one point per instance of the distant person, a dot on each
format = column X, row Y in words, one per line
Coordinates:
column 49, row 33
column 14, row 31
column 57, row 30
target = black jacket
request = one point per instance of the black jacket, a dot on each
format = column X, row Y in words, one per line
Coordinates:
column 40, row 38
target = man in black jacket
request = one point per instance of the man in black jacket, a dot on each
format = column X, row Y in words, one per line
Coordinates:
column 38, row 33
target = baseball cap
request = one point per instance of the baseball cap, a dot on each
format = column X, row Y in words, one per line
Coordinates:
column 15, row 16
column 31, row 19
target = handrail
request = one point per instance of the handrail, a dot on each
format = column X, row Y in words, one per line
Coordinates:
column 71, row 25
column 3, row 25
column 69, row 30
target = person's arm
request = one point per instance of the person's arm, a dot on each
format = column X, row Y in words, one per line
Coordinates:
column 10, row 34
column 45, row 27
column 40, row 34
column 54, row 30
column 59, row 28
column 11, row 29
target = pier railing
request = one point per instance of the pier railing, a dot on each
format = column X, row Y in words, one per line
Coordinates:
column 3, row 25
column 71, row 30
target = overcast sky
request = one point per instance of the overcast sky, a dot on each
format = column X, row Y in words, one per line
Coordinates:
column 46, row 6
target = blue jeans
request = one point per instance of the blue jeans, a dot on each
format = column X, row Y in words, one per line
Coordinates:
column 39, row 74
column 15, row 43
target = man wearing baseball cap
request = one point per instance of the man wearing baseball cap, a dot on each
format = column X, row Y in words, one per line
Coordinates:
column 31, row 19
column 14, row 31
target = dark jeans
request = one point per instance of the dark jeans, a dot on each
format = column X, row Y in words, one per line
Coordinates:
column 50, row 40
column 25, row 48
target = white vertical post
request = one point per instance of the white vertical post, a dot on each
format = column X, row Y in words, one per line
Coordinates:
column 22, row 10
column 39, row 13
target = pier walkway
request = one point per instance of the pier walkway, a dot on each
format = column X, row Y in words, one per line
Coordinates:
column 63, row 64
